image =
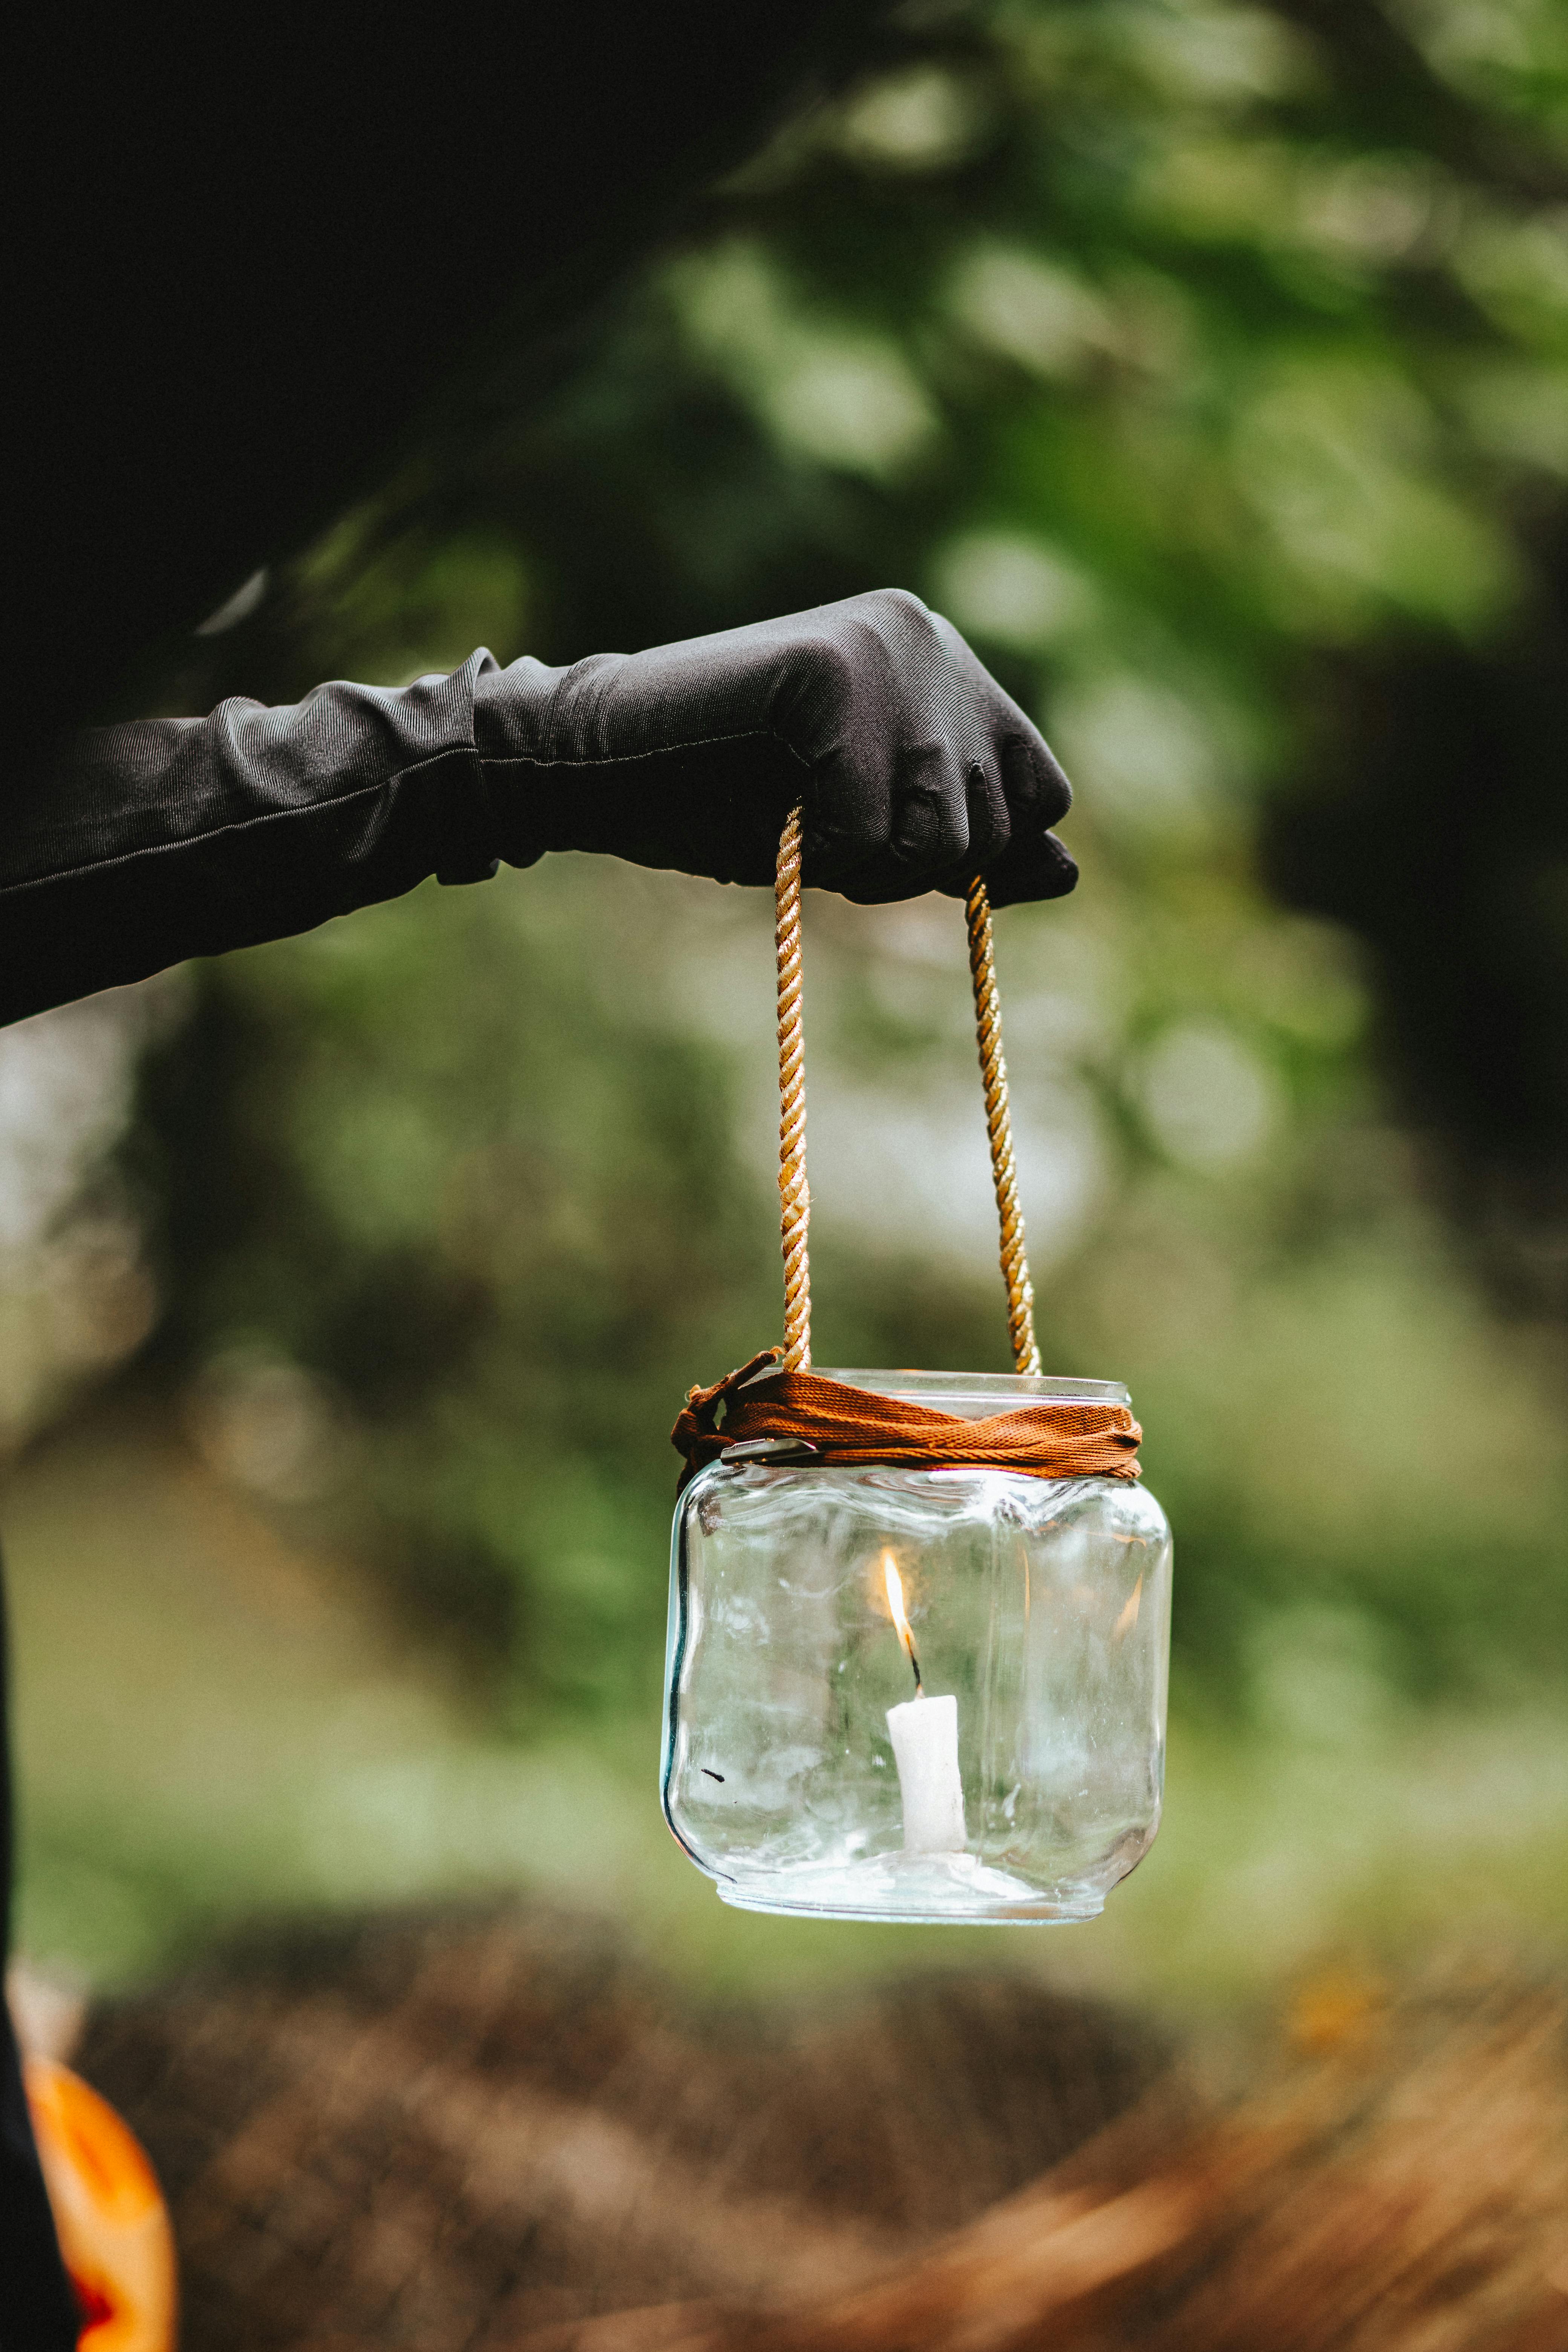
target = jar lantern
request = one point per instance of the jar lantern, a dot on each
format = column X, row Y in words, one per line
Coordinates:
column 919, row 1621
column 810, row 1603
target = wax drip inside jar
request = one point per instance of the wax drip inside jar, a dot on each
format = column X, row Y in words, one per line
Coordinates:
column 925, row 1733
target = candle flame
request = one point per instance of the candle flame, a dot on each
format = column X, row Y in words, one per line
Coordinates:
column 895, row 1584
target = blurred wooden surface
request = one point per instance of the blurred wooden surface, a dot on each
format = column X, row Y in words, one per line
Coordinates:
column 490, row 2133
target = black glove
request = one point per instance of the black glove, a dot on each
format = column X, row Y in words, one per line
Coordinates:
column 916, row 770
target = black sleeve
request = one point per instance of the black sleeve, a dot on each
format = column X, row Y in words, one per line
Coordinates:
column 173, row 838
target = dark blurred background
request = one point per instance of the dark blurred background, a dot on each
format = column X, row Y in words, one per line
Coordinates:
column 1208, row 367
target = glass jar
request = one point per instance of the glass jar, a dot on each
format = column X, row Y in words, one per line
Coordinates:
column 917, row 1693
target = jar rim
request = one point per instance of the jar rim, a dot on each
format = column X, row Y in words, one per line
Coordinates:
column 973, row 1396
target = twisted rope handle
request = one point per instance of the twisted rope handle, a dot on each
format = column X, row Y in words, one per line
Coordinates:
column 795, row 1195
column 999, row 1128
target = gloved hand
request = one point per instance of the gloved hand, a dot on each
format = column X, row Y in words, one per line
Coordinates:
column 916, row 770
column 163, row 838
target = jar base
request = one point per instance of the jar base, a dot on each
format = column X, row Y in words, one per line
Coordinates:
column 948, row 1890
column 1054, row 1914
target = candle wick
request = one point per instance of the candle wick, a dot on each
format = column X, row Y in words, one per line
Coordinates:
column 920, row 1686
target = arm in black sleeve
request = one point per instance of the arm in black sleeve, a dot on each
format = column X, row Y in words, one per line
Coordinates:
column 177, row 838
column 173, row 838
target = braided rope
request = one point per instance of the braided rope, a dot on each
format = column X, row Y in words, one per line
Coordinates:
column 999, row 1126
column 794, row 1193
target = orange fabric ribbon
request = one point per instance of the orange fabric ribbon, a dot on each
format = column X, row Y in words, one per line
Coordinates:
column 852, row 1426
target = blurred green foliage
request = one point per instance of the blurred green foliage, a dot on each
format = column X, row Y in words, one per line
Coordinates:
column 1178, row 352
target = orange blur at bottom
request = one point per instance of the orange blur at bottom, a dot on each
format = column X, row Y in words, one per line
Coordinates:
column 108, row 2212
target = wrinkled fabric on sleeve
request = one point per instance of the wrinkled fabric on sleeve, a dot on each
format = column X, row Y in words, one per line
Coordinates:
column 165, row 838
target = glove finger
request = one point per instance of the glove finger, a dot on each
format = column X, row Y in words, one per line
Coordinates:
column 1033, row 868
column 930, row 818
column 928, row 831
column 1035, row 787
column 848, row 819
column 991, row 816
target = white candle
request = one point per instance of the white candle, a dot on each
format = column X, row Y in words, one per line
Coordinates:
column 925, row 1733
